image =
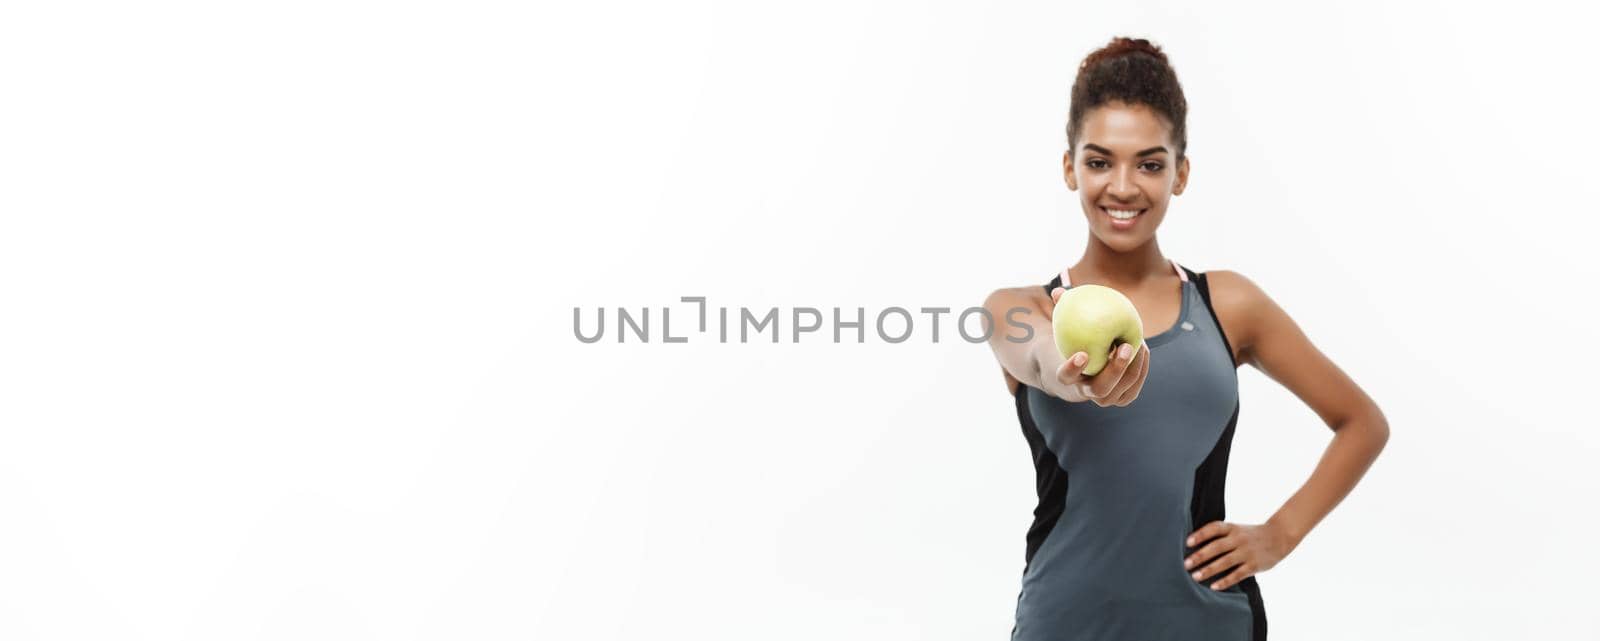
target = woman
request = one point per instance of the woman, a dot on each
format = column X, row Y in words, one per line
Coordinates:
column 1129, row 539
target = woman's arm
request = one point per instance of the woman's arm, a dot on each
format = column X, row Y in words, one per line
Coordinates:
column 1022, row 338
column 1264, row 336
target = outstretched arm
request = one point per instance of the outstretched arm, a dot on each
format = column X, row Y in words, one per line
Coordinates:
column 1265, row 337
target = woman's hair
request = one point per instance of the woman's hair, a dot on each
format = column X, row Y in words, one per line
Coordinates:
column 1131, row 71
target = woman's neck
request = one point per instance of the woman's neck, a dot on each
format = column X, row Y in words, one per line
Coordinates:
column 1101, row 263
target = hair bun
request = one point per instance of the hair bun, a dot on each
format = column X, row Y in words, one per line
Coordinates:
column 1130, row 71
column 1121, row 46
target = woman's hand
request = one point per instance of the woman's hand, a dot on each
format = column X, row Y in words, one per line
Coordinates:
column 1117, row 384
column 1252, row 548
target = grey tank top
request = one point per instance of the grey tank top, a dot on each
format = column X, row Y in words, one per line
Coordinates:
column 1121, row 488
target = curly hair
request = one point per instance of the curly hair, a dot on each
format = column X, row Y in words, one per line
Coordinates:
column 1131, row 71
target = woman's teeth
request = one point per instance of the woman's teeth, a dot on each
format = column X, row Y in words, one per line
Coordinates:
column 1121, row 214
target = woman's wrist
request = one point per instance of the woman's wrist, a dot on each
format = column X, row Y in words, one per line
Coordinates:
column 1049, row 361
column 1289, row 535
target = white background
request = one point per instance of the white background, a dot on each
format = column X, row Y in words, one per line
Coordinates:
column 286, row 298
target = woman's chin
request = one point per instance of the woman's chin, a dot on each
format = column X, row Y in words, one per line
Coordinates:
column 1121, row 241
column 1123, row 248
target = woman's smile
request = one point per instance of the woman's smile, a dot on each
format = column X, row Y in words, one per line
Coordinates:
column 1122, row 219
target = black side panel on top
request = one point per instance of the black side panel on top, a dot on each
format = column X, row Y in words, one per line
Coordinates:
column 1050, row 480
column 1210, row 481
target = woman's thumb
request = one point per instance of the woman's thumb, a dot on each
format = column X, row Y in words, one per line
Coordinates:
column 1073, row 368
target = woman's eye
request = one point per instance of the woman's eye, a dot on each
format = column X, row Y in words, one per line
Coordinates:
column 1097, row 163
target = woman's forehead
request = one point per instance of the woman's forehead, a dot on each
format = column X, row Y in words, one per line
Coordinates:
column 1117, row 126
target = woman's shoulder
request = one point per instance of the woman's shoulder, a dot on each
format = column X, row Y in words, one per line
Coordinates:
column 1240, row 305
column 1232, row 288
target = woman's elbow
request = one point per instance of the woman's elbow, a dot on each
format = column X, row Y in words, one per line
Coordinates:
column 1376, row 427
column 1370, row 424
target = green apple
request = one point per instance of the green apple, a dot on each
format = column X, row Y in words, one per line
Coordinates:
column 1094, row 319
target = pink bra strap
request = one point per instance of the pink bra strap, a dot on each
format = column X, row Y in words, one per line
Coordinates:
column 1066, row 279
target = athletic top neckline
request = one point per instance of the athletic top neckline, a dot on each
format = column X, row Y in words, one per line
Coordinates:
column 1183, row 309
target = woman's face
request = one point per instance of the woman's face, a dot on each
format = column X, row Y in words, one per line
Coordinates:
column 1124, row 162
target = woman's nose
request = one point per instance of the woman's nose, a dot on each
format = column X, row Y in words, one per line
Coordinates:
column 1122, row 185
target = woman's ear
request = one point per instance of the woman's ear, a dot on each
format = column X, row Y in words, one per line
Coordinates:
column 1183, row 176
column 1066, row 168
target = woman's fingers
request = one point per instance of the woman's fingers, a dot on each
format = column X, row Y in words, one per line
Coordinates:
column 1144, row 375
column 1071, row 371
column 1126, row 389
column 1101, row 386
column 1209, row 531
column 1211, row 551
column 1222, row 550
column 1218, row 568
column 1117, row 384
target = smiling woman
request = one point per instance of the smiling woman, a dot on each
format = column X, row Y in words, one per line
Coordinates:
column 1128, row 127
column 1129, row 539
